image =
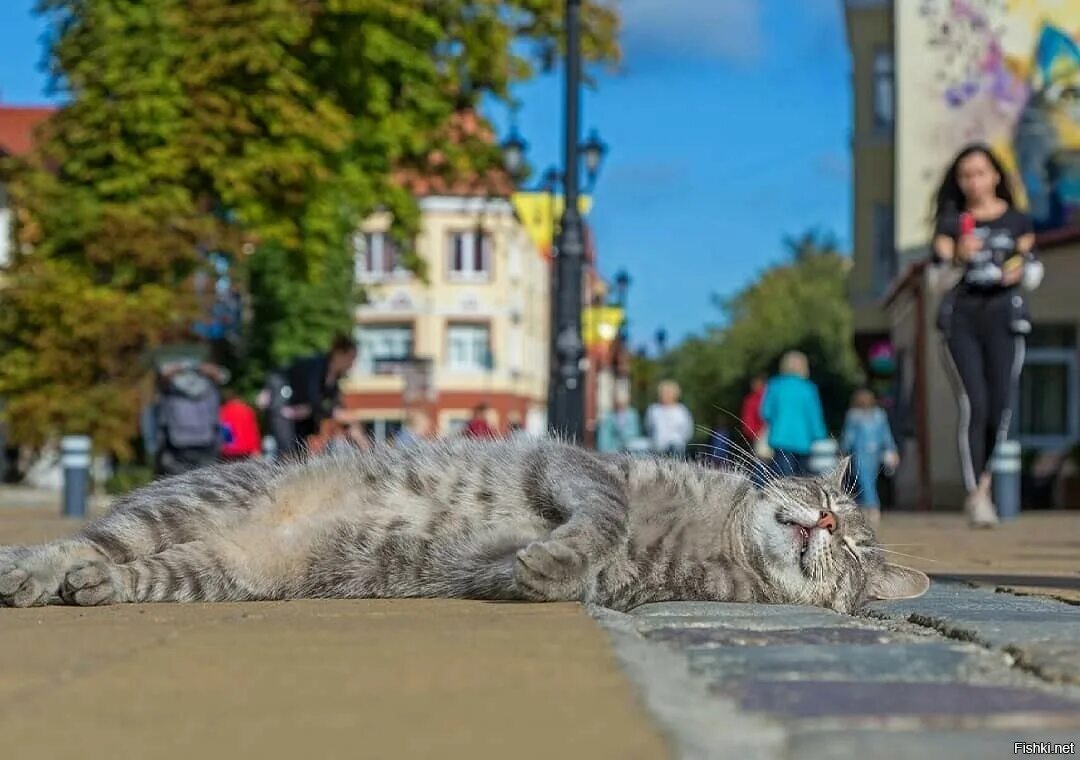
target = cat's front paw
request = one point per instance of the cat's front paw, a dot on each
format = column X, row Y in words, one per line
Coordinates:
column 89, row 584
column 550, row 571
column 21, row 586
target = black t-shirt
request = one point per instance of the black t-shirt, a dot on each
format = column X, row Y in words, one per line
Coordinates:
column 307, row 377
column 999, row 237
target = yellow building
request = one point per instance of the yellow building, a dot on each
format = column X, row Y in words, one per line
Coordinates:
column 928, row 78
column 476, row 331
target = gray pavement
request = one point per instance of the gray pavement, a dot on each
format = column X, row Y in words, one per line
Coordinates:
column 961, row 672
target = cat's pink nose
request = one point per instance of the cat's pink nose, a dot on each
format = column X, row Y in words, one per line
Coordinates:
column 827, row 521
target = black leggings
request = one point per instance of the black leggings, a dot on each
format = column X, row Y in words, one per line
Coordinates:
column 987, row 358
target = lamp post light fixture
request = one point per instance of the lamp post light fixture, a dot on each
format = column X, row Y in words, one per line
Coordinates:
column 514, row 148
column 593, row 151
column 622, row 286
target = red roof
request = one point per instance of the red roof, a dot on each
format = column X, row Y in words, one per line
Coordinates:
column 435, row 178
column 17, row 125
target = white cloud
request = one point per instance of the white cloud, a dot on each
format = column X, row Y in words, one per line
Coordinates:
column 721, row 29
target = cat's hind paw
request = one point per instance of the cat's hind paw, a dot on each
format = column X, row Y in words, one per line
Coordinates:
column 89, row 584
column 550, row 571
column 21, row 587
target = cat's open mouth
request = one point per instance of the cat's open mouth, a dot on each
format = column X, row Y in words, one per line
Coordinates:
column 801, row 535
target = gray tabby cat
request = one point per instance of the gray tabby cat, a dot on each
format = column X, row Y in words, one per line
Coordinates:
column 522, row 520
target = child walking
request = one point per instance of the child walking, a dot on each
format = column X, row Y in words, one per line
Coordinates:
column 869, row 441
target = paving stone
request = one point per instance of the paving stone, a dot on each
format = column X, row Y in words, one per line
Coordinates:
column 881, row 662
column 929, row 701
column 998, row 619
column 1042, row 633
column 918, row 745
column 1055, row 661
column 703, row 636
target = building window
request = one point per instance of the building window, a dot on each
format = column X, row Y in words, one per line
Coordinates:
column 382, row 344
column 377, row 257
column 884, row 248
column 469, row 348
column 884, row 89
column 469, row 255
column 1049, row 407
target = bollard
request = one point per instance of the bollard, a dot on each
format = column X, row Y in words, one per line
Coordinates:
column 269, row 448
column 1006, row 469
column 75, row 460
column 824, row 456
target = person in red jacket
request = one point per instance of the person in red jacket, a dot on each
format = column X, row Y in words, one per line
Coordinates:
column 478, row 426
column 750, row 414
column 239, row 429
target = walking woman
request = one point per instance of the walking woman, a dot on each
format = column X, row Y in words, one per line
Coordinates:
column 984, row 318
column 792, row 411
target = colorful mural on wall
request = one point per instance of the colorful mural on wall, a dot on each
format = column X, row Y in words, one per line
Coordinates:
column 1005, row 72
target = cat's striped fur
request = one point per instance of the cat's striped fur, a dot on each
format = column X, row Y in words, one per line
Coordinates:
column 521, row 520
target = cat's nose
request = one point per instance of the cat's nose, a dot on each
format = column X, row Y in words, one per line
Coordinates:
column 827, row 521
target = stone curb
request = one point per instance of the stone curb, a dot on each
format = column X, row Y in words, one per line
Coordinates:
column 732, row 680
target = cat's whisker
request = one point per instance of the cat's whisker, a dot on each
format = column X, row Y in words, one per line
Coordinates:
column 716, row 453
column 912, row 556
column 746, row 445
column 730, row 457
column 740, row 424
column 735, row 454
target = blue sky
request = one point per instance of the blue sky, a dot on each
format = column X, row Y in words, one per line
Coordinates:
column 728, row 125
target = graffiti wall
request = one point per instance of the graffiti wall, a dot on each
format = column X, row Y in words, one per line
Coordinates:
column 1005, row 72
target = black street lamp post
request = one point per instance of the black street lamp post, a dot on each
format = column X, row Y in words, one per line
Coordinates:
column 566, row 394
column 566, row 398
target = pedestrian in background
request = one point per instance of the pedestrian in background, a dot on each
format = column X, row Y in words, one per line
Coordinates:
column 186, row 411
column 750, row 413
column 869, row 441
column 619, row 428
column 792, row 410
column 478, row 426
column 722, row 449
column 984, row 319
column 315, row 395
column 668, row 422
column 239, row 428
column 417, row 428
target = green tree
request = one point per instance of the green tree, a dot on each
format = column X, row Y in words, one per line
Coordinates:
column 113, row 224
column 263, row 130
column 798, row 305
column 813, row 242
column 404, row 71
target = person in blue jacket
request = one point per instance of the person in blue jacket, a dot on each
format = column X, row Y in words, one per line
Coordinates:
column 619, row 428
column 869, row 440
column 792, row 410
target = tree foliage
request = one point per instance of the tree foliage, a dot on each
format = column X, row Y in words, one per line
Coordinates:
column 798, row 305
column 264, row 130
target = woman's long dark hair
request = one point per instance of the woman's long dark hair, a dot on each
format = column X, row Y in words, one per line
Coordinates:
column 950, row 198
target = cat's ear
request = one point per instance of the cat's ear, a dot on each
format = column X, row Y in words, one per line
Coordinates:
column 897, row 582
column 839, row 475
